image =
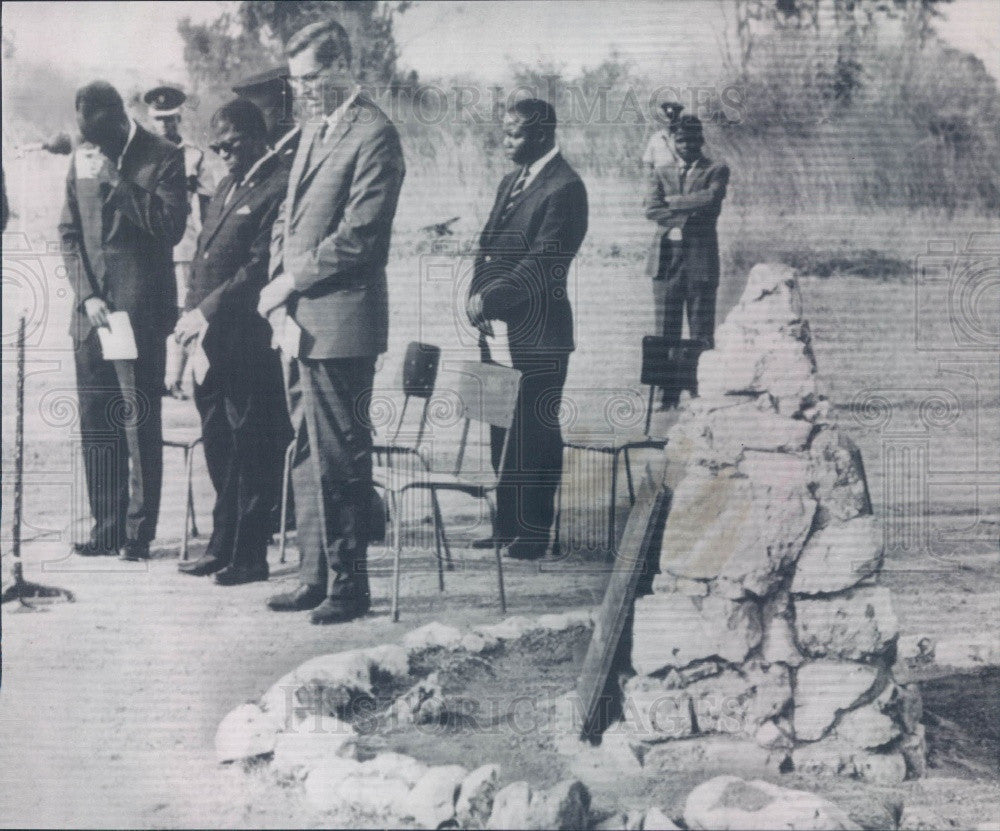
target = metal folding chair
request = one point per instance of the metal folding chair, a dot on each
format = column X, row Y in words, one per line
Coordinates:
column 487, row 394
column 670, row 364
column 187, row 445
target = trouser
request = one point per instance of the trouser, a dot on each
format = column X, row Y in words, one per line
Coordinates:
column 122, row 437
column 332, row 470
column 674, row 296
column 245, row 430
column 533, row 465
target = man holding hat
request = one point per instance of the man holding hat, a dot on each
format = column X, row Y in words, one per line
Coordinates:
column 164, row 110
column 684, row 200
column 660, row 149
column 271, row 92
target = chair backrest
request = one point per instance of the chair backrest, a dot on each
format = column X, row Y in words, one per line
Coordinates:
column 488, row 394
column 670, row 364
column 420, row 367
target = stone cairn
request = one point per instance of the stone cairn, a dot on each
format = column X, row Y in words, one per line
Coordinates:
column 767, row 638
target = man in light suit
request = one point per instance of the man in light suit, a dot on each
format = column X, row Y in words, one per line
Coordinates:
column 685, row 200
column 538, row 221
column 126, row 208
column 241, row 397
column 328, row 305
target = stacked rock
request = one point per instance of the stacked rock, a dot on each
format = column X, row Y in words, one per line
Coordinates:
column 766, row 621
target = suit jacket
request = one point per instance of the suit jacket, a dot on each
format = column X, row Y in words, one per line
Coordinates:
column 689, row 211
column 524, row 259
column 289, row 146
column 333, row 232
column 117, row 242
column 231, row 264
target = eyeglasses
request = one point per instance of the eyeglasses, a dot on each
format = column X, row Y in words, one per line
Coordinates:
column 225, row 148
column 300, row 81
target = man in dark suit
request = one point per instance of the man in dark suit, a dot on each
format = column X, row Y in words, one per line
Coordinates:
column 126, row 207
column 328, row 305
column 272, row 93
column 241, row 396
column 534, row 231
column 685, row 201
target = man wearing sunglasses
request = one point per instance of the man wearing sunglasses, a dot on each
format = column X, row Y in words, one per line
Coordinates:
column 240, row 395
column 328, row 303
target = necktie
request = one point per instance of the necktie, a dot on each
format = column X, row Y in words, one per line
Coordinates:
column 515, row 192
column 684, row 173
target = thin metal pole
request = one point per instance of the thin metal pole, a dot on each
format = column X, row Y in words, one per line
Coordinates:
column 18, row 456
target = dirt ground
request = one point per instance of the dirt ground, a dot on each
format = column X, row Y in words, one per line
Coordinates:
column 109, row 705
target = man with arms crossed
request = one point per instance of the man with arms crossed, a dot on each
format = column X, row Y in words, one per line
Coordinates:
column 328, row 305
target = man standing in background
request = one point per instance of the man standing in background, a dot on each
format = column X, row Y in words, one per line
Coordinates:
column 328, row 304
column 164, row 109
column 685, row 201
column 271, row 93
column 126, row 207
column 660, row 148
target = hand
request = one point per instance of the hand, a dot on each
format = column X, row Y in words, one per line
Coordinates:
column 474, row 310
column 97, row 311
column 191, row 325
column 275, row 294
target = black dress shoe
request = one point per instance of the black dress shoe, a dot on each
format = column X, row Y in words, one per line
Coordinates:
column 338, row 610
column 490, row 543
column 303, row 598
column 527, row 549
column 200, row 567
column 92, row 549
column 134, row 551
column 235, row 575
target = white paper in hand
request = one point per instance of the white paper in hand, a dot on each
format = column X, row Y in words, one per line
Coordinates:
column 199, row 363
column 499, row 344
column 117, row 339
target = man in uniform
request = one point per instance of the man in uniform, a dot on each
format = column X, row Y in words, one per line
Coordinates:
column 271, row 92
column 126, row 205
column 164, row 109
column 684, row 201
column 660, row 149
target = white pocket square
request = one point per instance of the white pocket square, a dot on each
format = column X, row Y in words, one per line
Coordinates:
column 243, row 211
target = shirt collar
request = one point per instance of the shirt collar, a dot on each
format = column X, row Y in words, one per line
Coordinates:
column 333, row 118
column 538, row 164
column 133, row 127
column 287, row 137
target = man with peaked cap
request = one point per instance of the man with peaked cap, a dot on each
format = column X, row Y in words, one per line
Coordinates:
column 684, row 201
column 164, row 109
column 660, row 149
column 271, row 92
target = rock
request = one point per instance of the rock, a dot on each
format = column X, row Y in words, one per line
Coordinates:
column 867, row 727
column 475, row 797
column 508, row 629
column 656, row 820
column 476, row 643
column 245, row 733
column 389, row 765
column 774, row 467
column 778, row 637
column 564, row 621
column 510, row 807
column 838, row 557
column 295, row 754
column 322, row 783
column 432, row 800
column 923, row 818
column 331, row 684
column 835, row 756
column 282, row 703
column 563, row 806
column 855, row 625
column 728, row 802
column 423, row 703
column 653, row 712
column 711, row 753
column 735, row 529
column 737, row 703
column 627, row 821
column 674, row 631
column 388, row 659
column 968, row 652
column 823, row 689
column 773, row 736
column 371, row 794
column 433, row 635
column 750, row 427
column 837, row 477
column 913, row 746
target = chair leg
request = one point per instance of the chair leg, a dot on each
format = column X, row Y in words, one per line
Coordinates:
column 439, row 526
column 628, row 478
column 285, row 477
column 556, row 547
column 496, row 551
column 438, row 536
column 397, row 539
column 611, row 506
column 189, row 502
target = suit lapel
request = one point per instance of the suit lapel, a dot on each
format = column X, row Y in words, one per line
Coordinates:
column 531, row 188
column 300, row 160
column 242, row 195
column 320, row 151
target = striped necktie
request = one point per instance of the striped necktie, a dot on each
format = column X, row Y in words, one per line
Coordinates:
column 515, row 192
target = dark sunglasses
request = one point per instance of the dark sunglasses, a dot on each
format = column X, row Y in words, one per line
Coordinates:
column 224, row 147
